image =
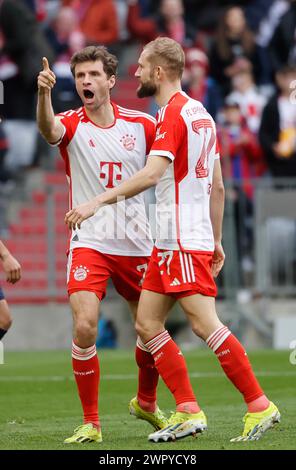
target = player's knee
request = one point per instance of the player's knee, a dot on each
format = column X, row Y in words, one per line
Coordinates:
column 204, row 330
column 139, row 328
column 5, row 317
column 147, row 330
column 198, row 330
column 85, row 331
column 6, row 323
column 143, row 330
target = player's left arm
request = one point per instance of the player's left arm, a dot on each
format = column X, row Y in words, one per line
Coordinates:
column 140, row 181
column 216, row 212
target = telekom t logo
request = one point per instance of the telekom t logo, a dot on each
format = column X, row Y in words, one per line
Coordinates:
column 113, row 172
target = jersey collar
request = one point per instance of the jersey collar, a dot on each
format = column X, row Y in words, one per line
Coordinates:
column 116, row 114
column 173, row 97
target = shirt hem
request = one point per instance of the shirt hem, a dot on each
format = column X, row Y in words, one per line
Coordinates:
column 111, row 252
column 176, row 247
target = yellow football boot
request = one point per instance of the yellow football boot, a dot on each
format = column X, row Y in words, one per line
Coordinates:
column 257, row 424
column 83, row 434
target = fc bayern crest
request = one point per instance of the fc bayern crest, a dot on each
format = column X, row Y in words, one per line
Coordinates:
column 128, row 141
column 80, row 273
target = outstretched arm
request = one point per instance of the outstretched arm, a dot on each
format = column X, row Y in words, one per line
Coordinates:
column 143, row 179
column 49, row 125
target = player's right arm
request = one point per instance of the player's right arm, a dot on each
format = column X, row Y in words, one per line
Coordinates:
column 11, row 266
column 49, row 125
column 216, row 212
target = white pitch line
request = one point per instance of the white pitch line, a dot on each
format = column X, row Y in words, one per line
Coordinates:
column 62, row 378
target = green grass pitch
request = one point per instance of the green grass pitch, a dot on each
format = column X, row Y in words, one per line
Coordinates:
column 39, row 406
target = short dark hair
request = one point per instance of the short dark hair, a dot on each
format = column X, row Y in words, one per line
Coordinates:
column 93, row 53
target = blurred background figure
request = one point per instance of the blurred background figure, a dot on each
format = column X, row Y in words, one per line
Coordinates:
column 283, row 43
column 242, row 162
column 66, row 38
column 234, row 40
column 278, row 126
column 241, row 154
column 197, row 82
column 246, row 95
column 264, row 16
column 169, row 21
column 22, row 44
column 107, row 334
column 172, row 22
column 97, row 20
column 38, row 7
column 64, row 33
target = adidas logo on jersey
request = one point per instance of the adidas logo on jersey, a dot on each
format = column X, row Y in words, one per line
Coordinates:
column 91, row 143
column 175, row 282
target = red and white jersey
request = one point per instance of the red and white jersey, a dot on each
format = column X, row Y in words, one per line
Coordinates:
column 185, row 134
column 97, row 159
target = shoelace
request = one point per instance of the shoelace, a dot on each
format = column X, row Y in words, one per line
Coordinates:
column 160, row 414
column 252, row 422
column 79, row 428
column 175, row 418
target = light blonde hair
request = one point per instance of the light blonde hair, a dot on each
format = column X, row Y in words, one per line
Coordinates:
column 168, row 54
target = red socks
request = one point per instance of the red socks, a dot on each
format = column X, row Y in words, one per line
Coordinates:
column 171, row 366
column 87, row 372
column 148, row 377
column 236, row 365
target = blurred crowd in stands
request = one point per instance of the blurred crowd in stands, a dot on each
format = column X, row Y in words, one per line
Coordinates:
column 240, row 62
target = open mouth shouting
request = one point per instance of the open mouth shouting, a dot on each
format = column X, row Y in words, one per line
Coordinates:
column 88, row 95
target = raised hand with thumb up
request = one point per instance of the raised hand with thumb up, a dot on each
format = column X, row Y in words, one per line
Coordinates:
column 46, row 78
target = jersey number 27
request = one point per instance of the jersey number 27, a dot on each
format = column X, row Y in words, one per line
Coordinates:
column 204, row 128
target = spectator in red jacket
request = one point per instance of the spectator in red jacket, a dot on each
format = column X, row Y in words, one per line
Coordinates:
column 98, row 20
column 242, row 161
column 241, row 154
column 169, row 22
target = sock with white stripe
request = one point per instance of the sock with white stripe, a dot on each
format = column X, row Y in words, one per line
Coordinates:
column 235, row 363
column 86, row 370
column 171, row 366
column 147, row 378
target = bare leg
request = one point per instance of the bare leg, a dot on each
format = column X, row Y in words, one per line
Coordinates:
column 201, row 313
column 152, row 313
column 168, row 358
column 85, row 310
column 148, row 374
